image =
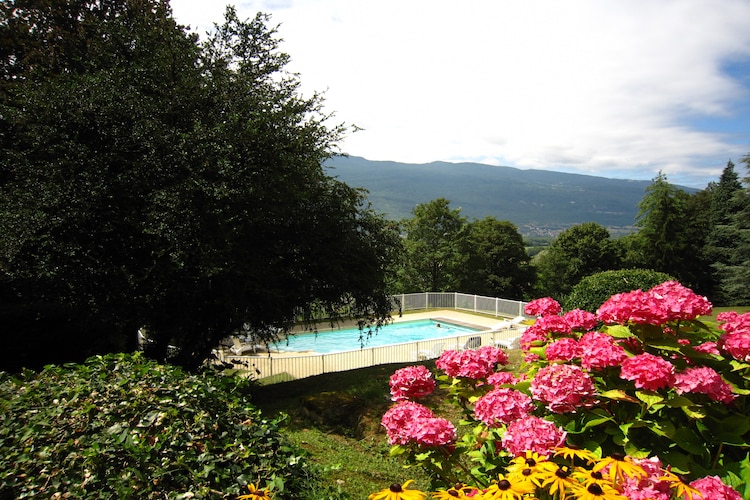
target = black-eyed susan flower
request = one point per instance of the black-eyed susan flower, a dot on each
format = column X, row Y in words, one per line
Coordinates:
column 398, row 491
column 596, row 492
column 572, row 454
column 508, row 488
column 456, row 492
column 587, row 477
column 680, row 486
column 619, row 466
column 256, row 494
column 558, row 482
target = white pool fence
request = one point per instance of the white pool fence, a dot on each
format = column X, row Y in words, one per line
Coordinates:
column 270, row 369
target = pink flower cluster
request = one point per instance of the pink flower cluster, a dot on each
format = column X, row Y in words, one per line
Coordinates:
column 713, row 488
column 563, row 388
column 736, row 340
column 599, row 350
column 532, row 434
column 704, row 380
column 502, row 378
column 669, row 301
column 578, row 319
column 546, row 306
column 502, row 406
column 648, row 371
column 652, row 486
column 475, row 364
column 408, row 422
column 412, row 382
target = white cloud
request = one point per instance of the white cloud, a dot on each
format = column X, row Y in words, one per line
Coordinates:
column 620, row 88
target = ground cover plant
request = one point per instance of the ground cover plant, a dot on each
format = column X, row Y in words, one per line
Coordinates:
column 640, row 401
column 120, row 426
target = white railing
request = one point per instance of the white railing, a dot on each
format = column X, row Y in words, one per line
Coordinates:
column 269, row 369
column 461, row 302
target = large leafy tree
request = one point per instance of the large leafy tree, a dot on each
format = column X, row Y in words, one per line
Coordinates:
column 672, row 228
column 577, row 252
column 150, row 180
column 432, row 257
column 497, row 264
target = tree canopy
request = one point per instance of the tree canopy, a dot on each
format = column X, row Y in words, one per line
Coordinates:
column 150, row 180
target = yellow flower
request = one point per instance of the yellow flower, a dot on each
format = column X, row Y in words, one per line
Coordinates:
column 619, row 467
column 508, row 488
column 680, row 487
column 588, row 477
column 571, row 453
column 457, row 491
column 558, row 482
column 255, row 494
column 398, row 492
column 596, row 491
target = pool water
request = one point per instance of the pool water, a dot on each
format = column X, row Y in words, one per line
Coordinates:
column 349, row 339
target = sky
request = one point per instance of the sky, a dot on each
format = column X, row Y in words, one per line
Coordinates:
column 619, row 88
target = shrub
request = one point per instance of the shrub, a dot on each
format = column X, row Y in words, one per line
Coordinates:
column 592, row 291
column 119, row 426
column 652, row 404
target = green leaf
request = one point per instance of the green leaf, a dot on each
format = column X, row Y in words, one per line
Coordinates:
column 618, row 395
column 649, row 397
column 689, row 441
column 619, row 331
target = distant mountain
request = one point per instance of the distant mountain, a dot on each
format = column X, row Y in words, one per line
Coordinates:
column 539, row 202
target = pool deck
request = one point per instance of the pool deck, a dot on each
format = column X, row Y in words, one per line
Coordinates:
column 480, row 322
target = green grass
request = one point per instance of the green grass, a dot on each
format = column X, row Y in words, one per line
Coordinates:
column 335, row 418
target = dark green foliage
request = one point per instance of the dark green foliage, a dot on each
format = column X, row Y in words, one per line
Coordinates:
column 432, row 247
column 147, row 180
column 673, row 226
column 577, row 252
column 119, row 426
column 592, row 291
column 497, row 264
column 726, row 243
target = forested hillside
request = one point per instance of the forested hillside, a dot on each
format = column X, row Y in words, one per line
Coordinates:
column 537, row 201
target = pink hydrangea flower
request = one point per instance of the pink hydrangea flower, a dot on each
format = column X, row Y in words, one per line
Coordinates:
column 563, row 388
column 650, row 486
column 546, row 306
column 708, row 348
column 578, row 319
column 502, row 406
column 475, row 364
column 532, row 434
column 636, row 307
column 679, row 302
column 400, row 417
column 599, row 350
column 502, row 378
column 713, row 488
column 553, row 324
column 564, row 349
column 704, row 380
column 431, row 431
column 412, row 382
column 736, row 340
column 737, row 344
column 648, row 371
column 669, row 301
column 533, row 335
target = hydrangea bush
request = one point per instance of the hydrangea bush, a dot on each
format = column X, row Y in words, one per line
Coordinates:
column 638, row 401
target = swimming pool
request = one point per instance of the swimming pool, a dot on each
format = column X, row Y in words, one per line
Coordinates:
column 349, row 339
